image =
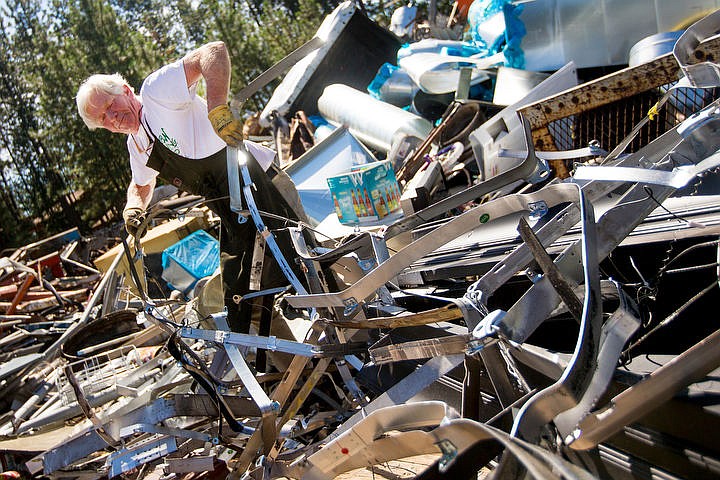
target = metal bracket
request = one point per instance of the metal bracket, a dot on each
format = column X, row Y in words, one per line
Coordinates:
column 146, row 451
column 266, row 406
column 175, row 432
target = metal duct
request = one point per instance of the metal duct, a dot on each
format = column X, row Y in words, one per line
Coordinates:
column 373, row 122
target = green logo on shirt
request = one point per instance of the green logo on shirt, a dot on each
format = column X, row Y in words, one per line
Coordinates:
column 169, row 142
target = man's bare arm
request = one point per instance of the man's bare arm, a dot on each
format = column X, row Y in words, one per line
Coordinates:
column 139, row 196
column 211, row 62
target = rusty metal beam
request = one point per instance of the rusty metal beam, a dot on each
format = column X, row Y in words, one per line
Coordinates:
column 616, row 86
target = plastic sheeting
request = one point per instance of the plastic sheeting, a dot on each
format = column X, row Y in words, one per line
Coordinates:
column 192, row 258
column 495, row 27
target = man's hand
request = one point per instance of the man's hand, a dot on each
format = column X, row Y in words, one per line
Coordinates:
column 226, row 125
column 134, row 221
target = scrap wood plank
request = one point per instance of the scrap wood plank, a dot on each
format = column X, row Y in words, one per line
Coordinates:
column 442, row 314
column 34, row 305
column 20, row 294
column 610, row 88
column 42, row 294
column 8, row 291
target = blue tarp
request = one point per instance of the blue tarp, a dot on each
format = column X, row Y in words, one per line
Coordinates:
column 199, row 256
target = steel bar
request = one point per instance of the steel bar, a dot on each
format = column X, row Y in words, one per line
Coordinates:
column 562, row 395
column 657, row 388
column 551, row 195
column 257, row 393
column 273, row 72
column 268, row 343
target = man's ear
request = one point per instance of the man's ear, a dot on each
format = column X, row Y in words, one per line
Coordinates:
column 127, row 89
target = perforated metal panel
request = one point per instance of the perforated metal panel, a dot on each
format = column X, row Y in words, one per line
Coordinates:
column 609, row 124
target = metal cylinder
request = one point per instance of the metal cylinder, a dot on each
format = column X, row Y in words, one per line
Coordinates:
column 373, row 122
column 649, row 48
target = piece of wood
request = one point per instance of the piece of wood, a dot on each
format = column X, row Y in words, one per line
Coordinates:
column 20, row 294
column 442, row 314
column 40, row 304
column 8, row 291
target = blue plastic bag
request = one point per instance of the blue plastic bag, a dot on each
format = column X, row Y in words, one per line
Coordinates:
column 485, row 18
column 384, row 73
column 192, row 258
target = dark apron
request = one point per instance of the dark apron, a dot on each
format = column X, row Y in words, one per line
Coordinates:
column 208, row 177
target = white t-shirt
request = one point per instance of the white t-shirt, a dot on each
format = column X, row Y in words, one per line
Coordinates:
column 177, row 117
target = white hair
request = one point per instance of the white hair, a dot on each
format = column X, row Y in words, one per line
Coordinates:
column 110, row 84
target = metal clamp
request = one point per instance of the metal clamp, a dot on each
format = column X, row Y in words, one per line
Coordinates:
column 485, row 333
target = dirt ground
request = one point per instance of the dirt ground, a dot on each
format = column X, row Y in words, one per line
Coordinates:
column 397, row 469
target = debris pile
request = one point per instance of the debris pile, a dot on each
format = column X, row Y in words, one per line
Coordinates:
column 522, row 282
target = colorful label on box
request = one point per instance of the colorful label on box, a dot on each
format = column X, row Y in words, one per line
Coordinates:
column 367, row 193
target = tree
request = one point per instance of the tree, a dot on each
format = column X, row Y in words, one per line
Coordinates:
column 257, row 34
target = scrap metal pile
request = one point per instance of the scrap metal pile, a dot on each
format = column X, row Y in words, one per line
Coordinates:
column 553, row 318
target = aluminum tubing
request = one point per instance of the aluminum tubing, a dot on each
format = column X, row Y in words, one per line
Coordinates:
column 373, row 122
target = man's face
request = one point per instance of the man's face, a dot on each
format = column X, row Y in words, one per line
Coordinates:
column 117, row 113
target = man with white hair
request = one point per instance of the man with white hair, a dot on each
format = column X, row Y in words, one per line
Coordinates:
column 180, row 137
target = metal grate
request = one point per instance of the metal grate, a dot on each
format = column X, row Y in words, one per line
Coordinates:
column 609, row 124
column 98, row 373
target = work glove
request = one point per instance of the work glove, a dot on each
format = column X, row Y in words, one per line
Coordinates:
column 135, row 221
column 226, row 125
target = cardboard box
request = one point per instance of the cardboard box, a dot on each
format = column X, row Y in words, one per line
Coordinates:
column 365, row 194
